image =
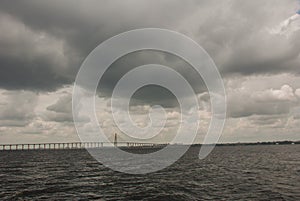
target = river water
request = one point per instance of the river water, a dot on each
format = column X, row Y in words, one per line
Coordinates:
column 270, row 172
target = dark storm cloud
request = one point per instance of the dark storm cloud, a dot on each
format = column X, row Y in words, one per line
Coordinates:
column 31, row 60
column 271, row 55
column 36, row 74
column 44, row 42
column 241, row 39
column 80, row 27
column 151, row 94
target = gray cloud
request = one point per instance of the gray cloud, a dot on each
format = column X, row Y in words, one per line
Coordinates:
column 63, row 105
column 79, row 27
column 43, row 43
column 244, row 103
column 54, row 37
column 17, row 108
column 152, row 95
column 61, row 111
column 274, row 121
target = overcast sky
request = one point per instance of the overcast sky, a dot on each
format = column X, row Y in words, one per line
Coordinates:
column 255, row 45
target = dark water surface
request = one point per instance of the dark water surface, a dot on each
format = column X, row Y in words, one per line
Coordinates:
column 229, row 173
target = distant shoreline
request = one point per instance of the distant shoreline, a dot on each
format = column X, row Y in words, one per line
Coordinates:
column 286, row 142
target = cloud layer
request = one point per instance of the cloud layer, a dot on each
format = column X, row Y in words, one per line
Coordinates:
column 255, row 45
column 45, row 42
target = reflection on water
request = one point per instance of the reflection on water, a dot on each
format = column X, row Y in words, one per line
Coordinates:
column 229, row 173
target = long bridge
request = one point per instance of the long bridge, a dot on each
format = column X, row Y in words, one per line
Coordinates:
column 78, row 145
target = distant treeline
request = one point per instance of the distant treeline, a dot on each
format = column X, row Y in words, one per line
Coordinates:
column 255, row 143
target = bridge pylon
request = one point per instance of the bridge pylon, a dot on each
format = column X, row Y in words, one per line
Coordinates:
column 115, row 140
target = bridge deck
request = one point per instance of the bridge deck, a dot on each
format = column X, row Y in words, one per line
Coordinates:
column 74, row 145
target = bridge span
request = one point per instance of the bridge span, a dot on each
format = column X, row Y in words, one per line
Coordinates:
column 77, row 145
